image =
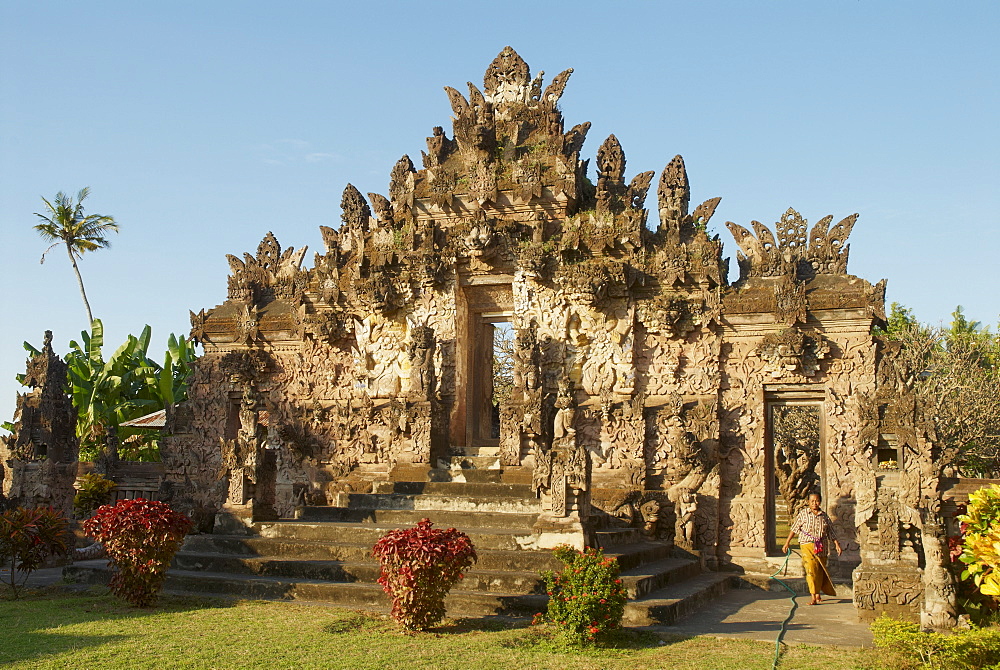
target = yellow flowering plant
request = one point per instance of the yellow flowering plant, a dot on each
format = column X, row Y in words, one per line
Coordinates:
column 981, row 541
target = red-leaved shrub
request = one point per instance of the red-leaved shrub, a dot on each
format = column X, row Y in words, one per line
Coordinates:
column 141, row 537
column 418, row 568
column 27, row 537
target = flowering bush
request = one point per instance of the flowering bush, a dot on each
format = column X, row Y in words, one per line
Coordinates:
column 587, row 599
column 27, row 537
column 981, row 541
column 418, row 567
column 141, row 537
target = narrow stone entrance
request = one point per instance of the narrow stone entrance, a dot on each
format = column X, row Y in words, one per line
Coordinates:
column 794, row 460
column 490, row 376
column 486, row 367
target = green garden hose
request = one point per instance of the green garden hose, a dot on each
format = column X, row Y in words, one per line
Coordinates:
column 791, row 612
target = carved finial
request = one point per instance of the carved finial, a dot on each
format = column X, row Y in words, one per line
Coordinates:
column 788, row 254
column 356, row 211
column 674, row 192
column 47, row 341
column 638, row 188
column 459, row 104
column 269, row 252
column 438, row 147
column 555, row 90
column 791, row 229
column 610, row 176
column 705, row 210
column 382, row 207
column 573, row 140
column 828, row 251
column 611, row 160
column 506, row 76
column 401, row 181
column 331, row 238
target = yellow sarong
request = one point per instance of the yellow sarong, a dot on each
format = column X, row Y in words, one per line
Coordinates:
column 817, row 578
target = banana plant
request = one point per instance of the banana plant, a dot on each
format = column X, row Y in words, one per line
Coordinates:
column 129, row 384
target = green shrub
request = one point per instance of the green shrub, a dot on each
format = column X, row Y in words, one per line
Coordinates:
column 587, row 599
column 28, row 537
column 95, row 490
column 971, row 649
column 418, row 567
column 141, row 537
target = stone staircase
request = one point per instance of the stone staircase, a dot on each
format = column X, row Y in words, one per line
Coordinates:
column 325, row 554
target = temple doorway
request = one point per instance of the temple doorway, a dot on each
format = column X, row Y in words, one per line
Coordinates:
column 491, row 375
column 794, row 466
column 485, row 310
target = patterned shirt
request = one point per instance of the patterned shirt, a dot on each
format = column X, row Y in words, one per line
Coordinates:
column 812, row 527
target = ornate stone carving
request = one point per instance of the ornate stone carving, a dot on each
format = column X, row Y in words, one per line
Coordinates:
column 763, row 256
column 271, row 274
column 791, row 353
column 641, row 379
column 38, row 458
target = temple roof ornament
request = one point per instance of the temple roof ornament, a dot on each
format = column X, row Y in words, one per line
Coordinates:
column 762, row 255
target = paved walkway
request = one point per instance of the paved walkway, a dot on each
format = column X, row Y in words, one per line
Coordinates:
column 757, row 615
column 741, row 613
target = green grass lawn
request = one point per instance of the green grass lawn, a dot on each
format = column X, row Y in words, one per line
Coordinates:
column 93, row 630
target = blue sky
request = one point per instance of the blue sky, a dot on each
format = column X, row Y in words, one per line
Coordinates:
column 203, row 125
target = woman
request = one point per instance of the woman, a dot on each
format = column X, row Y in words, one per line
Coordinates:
column 815, row 532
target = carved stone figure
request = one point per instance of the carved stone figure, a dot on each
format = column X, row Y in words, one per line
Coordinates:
column 687, row 504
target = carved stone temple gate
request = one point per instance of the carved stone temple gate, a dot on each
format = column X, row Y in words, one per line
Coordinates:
column 645, row 384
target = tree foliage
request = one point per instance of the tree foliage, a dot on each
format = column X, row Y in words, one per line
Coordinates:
column 129, row 384
column 27, row 538
column 795, row 430
column 955, row 372
column 503, row 364
column 65, row 222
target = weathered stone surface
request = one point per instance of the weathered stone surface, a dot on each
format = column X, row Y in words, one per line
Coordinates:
column 38, row 458
column 643, row 381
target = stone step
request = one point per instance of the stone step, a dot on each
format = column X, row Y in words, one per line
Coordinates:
column 430, row 502
column 633, row 555
column 457, row 489
column 671, row 603
column 495, row 475
column 515, row 560
column 648, row 577
column 616, row 537
column 356, row 544
column 367, row 534
column 769, row 565
column 473, row 463
column 440, row 518
column 331, row 571
column 486, row 581
column 347, row 594
column 475, row 451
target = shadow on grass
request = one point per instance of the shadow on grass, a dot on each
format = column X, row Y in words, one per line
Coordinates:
column 548, row 638
column 355, row 622
column 29, row 626
column 486, row 624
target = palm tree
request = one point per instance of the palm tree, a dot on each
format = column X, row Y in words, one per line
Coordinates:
column 66, row 223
